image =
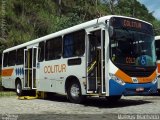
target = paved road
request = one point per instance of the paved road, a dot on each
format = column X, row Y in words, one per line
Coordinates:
column 59, row 108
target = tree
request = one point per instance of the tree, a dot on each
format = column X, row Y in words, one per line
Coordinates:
column 111, row 4
column 156, row 25
column 27, row 20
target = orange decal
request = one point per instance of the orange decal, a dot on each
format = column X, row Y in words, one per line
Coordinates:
column 120, row 74
column 158, row 67
column 147, row 79
column 55, row 68
column 7, row 72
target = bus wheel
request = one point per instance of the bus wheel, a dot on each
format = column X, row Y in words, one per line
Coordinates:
column 74, row 92
column 158, row 91
column 19, row 88
column 113, row 99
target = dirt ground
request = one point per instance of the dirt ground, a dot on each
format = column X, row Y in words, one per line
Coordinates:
column 59, row 108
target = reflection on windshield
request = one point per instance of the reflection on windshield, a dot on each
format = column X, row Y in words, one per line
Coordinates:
column 132, row 48
column 158, row 49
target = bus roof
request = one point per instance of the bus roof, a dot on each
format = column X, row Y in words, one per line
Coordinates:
column 68, row 30
column 157, row 37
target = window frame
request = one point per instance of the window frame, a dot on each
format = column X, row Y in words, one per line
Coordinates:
column 40, row 59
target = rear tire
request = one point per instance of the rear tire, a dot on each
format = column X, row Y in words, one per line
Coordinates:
column 19, row 88
column 2, row 88
column 74, row 92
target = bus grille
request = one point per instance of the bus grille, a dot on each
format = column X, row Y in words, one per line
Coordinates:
column 139, row 73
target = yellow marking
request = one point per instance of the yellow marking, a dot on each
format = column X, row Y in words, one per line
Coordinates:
column 41, row 95
column 27, row 97
column 91, row 67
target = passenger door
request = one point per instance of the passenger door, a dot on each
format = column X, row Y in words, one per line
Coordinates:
column 30, row 62
column 95, row 62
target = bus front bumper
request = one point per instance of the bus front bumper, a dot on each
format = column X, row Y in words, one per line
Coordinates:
column 130, row 89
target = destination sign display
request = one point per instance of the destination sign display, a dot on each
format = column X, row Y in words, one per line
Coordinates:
column 119, row 22
column 132, row 24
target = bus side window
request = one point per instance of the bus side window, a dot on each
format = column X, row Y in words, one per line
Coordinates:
column 79, row 46
column 41, row 52
column 53, row 49
column 5, row 59
column 20, row 56
column 68, row 46
column 74, row 44
column 12, row 58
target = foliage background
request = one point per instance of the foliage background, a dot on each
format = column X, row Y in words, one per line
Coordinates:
column 26, row 20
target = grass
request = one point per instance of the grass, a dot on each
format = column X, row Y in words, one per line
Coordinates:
column 7, row 93
column 1, row 84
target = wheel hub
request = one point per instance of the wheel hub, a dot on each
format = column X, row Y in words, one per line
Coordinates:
column 18, row 88
column 74, row 91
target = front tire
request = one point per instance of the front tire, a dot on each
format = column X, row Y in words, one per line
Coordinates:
column 158, row 91
column 74, row 92
column 19, row 88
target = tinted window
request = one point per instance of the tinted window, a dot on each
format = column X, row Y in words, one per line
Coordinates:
column 74, row 44
column 53, row 48
column 20, row 56
column 5, row 59
column 12, row 58
column 41, row 51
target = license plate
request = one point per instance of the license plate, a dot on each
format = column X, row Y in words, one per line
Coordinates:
column 139, row 89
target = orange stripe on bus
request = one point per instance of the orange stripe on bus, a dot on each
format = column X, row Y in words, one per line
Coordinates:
column 158, row 67
column 7, row 72
column 120, row 74
column 147, row 79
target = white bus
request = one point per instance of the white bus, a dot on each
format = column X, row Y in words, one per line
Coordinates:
column 157, row 43
column 109, row 56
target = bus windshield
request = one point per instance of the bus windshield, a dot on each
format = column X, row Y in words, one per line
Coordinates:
column 131, row 43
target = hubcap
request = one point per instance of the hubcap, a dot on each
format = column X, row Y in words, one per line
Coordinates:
column 75, row 91
column 18, row 88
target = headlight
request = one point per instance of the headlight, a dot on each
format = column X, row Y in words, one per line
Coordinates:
column 115, row 78
column 155, row 80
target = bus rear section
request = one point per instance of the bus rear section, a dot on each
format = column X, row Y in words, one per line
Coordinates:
column 157, row 44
